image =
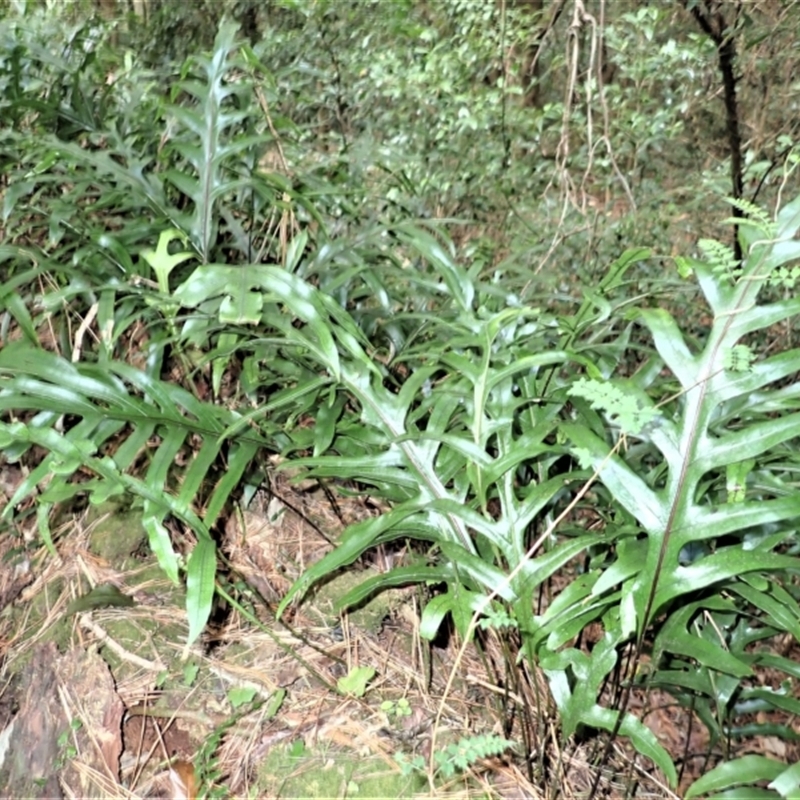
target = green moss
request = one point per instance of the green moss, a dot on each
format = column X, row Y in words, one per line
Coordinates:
column 368, row 616
column 38, row 609
column 116, row 533
column 293, row 772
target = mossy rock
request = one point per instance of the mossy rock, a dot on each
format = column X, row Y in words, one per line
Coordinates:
column 116, row 533
column 295, row 771
column 368, row 616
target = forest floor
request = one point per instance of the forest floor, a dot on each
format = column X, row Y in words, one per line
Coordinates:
column 101, row 698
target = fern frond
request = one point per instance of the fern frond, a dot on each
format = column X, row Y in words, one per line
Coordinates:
column 784, row 277
column 755, row 215
column 627, row 410
column 739, row 358
column 468, row 751
column 720, row 258
column 140, row 415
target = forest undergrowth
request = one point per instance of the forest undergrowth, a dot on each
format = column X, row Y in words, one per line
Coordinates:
column 582, row 485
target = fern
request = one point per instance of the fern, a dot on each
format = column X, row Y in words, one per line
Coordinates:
column 207, row 759
column 102, row 417
column 738, row 358
column 716, row 545
column 756, row 217
column 631, row 410
column 721, row 258
column 784, row 277
column 497, row 617
column 467, row 752
column 127, row 406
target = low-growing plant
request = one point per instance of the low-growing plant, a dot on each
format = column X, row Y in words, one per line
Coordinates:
column 486, row 423
column 705, row 560
column 457, row 757
column 396, row 709
column 76, row 264
column 460, row 756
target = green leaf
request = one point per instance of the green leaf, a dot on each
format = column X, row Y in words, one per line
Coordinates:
column 161, row 545
column 433, row 615
column 15, row 306
column 718, row 567
column 631, row 409
column 783, row 613
column 242, row 308
column 197, row 471
column 641, row 737
column 105, row 595
column 457, row 283
column 43, row 522
column 355, row 682
column 240, row 456
column 302, row 299
column 399, row 576
column 787, row 784
column 746, row 770
column 589, row 671
column 327, row 419
column 240, row 696
column 484, row 573
column 162, row 261
column 356, row 540
column 201, row 571
column 294, row 252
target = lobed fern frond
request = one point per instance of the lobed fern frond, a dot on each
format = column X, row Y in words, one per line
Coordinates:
column 136, row 416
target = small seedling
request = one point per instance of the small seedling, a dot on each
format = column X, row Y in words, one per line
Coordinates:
column 497, row 618
column 190, row 674
column 456, row 757
column 460, row 757
column 239, row 695
column 410, row 766
column 67, row 749
column 398, row 709
column 355, row 682
column 297, row 748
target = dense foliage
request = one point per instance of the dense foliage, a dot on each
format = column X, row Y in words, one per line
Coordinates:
column 401, row 260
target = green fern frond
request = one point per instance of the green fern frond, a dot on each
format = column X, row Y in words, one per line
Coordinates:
column 623, row 407
column 739, row 358
column 497, row 617
column 468, row 751
column 784, row 277
column 126, row 406
column 755, row 215
column 720, row 258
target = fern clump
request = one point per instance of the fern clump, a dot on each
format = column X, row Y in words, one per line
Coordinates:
column 714, row 542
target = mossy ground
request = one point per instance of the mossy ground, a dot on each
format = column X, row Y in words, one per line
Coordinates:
column 293, row 771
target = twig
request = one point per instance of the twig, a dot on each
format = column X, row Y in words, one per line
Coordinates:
column 86, row 622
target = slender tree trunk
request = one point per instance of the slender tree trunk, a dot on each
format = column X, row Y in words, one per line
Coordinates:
column 712, row 22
